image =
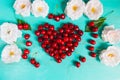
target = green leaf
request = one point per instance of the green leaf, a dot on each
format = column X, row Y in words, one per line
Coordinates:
column 19, row 21
column 98, row 23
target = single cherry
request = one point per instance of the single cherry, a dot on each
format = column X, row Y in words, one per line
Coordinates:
column 91, row 24
column 93, row 54
column 26, row 51
column 32, row 61
column 77, row 64
column 62, row 16
column 20, row 26
column 37, row 65
column 24, row 56
column 50, row 16
column 26, row 36
column 82, row 59
column 93, row 42
column 26, row 26
column 28, row 43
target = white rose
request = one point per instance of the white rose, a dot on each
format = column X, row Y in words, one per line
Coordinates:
column 75, row 9
column 94, row 9
column 109, row 34
column 40, row 8
column 11, row 53
column 22, row 7
column 9, row 32
column 110, row 56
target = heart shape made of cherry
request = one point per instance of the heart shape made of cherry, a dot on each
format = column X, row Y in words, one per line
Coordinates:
column 59, row 43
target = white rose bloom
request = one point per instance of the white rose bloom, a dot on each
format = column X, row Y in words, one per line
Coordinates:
column 40, row 8
column 75, row 9
column 9, row 32
column 111, row 56
column 109, row 34
column 11, row 54
column 22, row 7
column 94, row 9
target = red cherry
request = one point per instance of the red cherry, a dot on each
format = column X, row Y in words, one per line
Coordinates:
column 51, row 27
column 40, row 39
column 62, row 56
column 91, row 48
column 20, row 26
column 51, row 54
column 61, row 30
column 92, row 54
column 69, row 53
column 57, row 18
column 94, row 29
column 45, row 36
column 92, row 42
column 58, row 60
column 43, row 32
column 62, row 47
column 46, row 50
column 24, row 56
column 65, row 26
column 69, row 44
column 65, row 39
column 77, row 64
column 25, row 26
column 32, row 61
column 56, row 56
column 75, row 44
column 91, row 24
column 76, row 28
column 49, row 32
column 28, row 43
column 71, row 26
column 95, row 35
column 26, row 36
column 51, row 37
column 26, row 51
column 72, row 48
column 71, row 39
column 62, row 16
column 58, row 40
column 43, row 45
column 50, row 16
column 37, row 33
column 46, row 25
column 46, row 41
column 78, row 39
column 54, row 33
column 40, row 27
column 83, row 59
column 37, row 65
column 54, row 45
column 80, row 32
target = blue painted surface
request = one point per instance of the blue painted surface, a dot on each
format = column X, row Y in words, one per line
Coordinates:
column 49, row 69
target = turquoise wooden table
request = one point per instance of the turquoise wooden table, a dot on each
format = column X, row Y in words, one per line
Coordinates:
column 49, row 69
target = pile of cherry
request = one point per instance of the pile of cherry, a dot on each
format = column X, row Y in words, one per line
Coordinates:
column 61, row 43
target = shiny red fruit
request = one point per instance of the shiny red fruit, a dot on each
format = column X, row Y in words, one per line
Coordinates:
column 26, row 36
column 51, row 27
column 51, row 54
column 77, row 64
column 56, row 56
column 40, row 39
column 28, row 43
column 57, row 18
column 62, row 56
column 91, row 24
column 92, row 54
column 91, row 48
column 69, row 53
column 50, row 16
column 62, row 16
column 26, row 51
column 40, row 27
column 95, row 35
column 75, row 44
column 46, row 25
column 24, row 56
column 32, row 61
column 93, row 42
column 37, row 33
column 83, row 59
column 80, row 32
column 43, row 32
column 25, row 26
column 58, row 60
column 20, row 26
column 94, row 29
column 43, row 45
column 37, row 65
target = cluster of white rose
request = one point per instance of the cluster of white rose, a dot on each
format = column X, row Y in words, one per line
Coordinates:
column 75, row 9
column 9, row 33
column 38, row 8
column 111, row 56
